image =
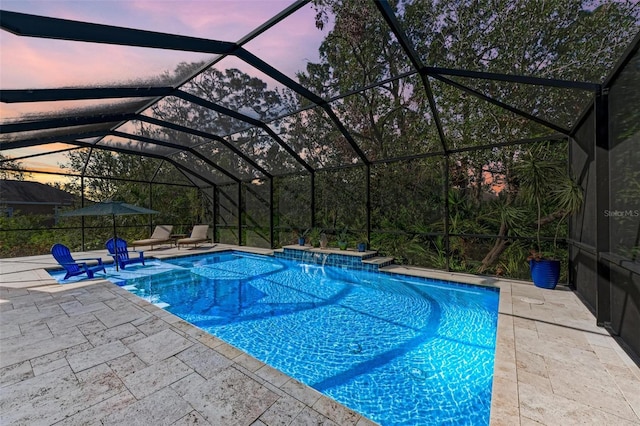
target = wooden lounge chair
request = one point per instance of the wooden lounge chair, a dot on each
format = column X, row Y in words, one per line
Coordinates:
column 62, row 255
column 161, row 235
column 120, row 253
column 199, row 234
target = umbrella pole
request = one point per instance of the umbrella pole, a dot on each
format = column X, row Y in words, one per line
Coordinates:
column 115, row 243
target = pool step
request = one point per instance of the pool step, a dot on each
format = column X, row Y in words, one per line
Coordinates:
column 329, row 250
column 380, row 261
column 368, row 260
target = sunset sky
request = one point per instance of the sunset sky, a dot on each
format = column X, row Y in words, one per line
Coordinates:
column 31, row 62
column 38, row 63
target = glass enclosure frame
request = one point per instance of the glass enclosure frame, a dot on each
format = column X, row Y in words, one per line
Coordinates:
column 261, row 179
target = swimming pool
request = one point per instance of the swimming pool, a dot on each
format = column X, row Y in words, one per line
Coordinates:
column 397, row 349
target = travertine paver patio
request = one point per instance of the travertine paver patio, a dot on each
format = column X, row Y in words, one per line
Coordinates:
column 92, row 353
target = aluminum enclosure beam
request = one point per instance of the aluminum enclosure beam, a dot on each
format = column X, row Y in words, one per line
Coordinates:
column 55, row 123
column 536, row 81
column 73, row 94
column 390, row 18
column 23, row 24
column 242, row 117
column 183, row 169
column 205, row 135
column 503, row 105
column 45, row 27
column 179, row 148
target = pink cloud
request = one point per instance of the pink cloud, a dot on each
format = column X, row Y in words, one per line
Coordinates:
column 291, row 43
column 37, row 63
column 218, row 20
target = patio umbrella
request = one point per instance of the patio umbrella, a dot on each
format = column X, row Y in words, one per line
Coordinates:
column 110, row 208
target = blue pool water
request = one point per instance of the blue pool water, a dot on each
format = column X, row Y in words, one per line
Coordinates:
column 397, row 349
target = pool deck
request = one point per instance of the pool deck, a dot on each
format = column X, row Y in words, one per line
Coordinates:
column 92, row 353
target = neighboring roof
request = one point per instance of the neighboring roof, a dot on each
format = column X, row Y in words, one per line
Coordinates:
column 23, row 192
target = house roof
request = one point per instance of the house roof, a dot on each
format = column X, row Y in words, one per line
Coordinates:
column 24, row 192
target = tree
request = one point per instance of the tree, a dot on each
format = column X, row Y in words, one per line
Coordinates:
column 563, row 39
column 115, row 176
column 237, row 91
column 99, row 165
column 12, row 169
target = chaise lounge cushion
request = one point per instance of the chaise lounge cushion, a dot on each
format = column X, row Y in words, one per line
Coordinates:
column 161, row 234
column 199, row 234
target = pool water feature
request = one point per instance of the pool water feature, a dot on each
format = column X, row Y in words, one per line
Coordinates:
column 397, row 349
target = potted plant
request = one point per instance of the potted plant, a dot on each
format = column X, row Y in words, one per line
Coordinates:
column 539, row 177
column 343, row 239
column 314, row 237
column 302, row 236
column 545, row 273
column 363, row 242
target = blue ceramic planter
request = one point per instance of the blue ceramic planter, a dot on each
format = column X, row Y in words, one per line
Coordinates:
column 545, row 273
